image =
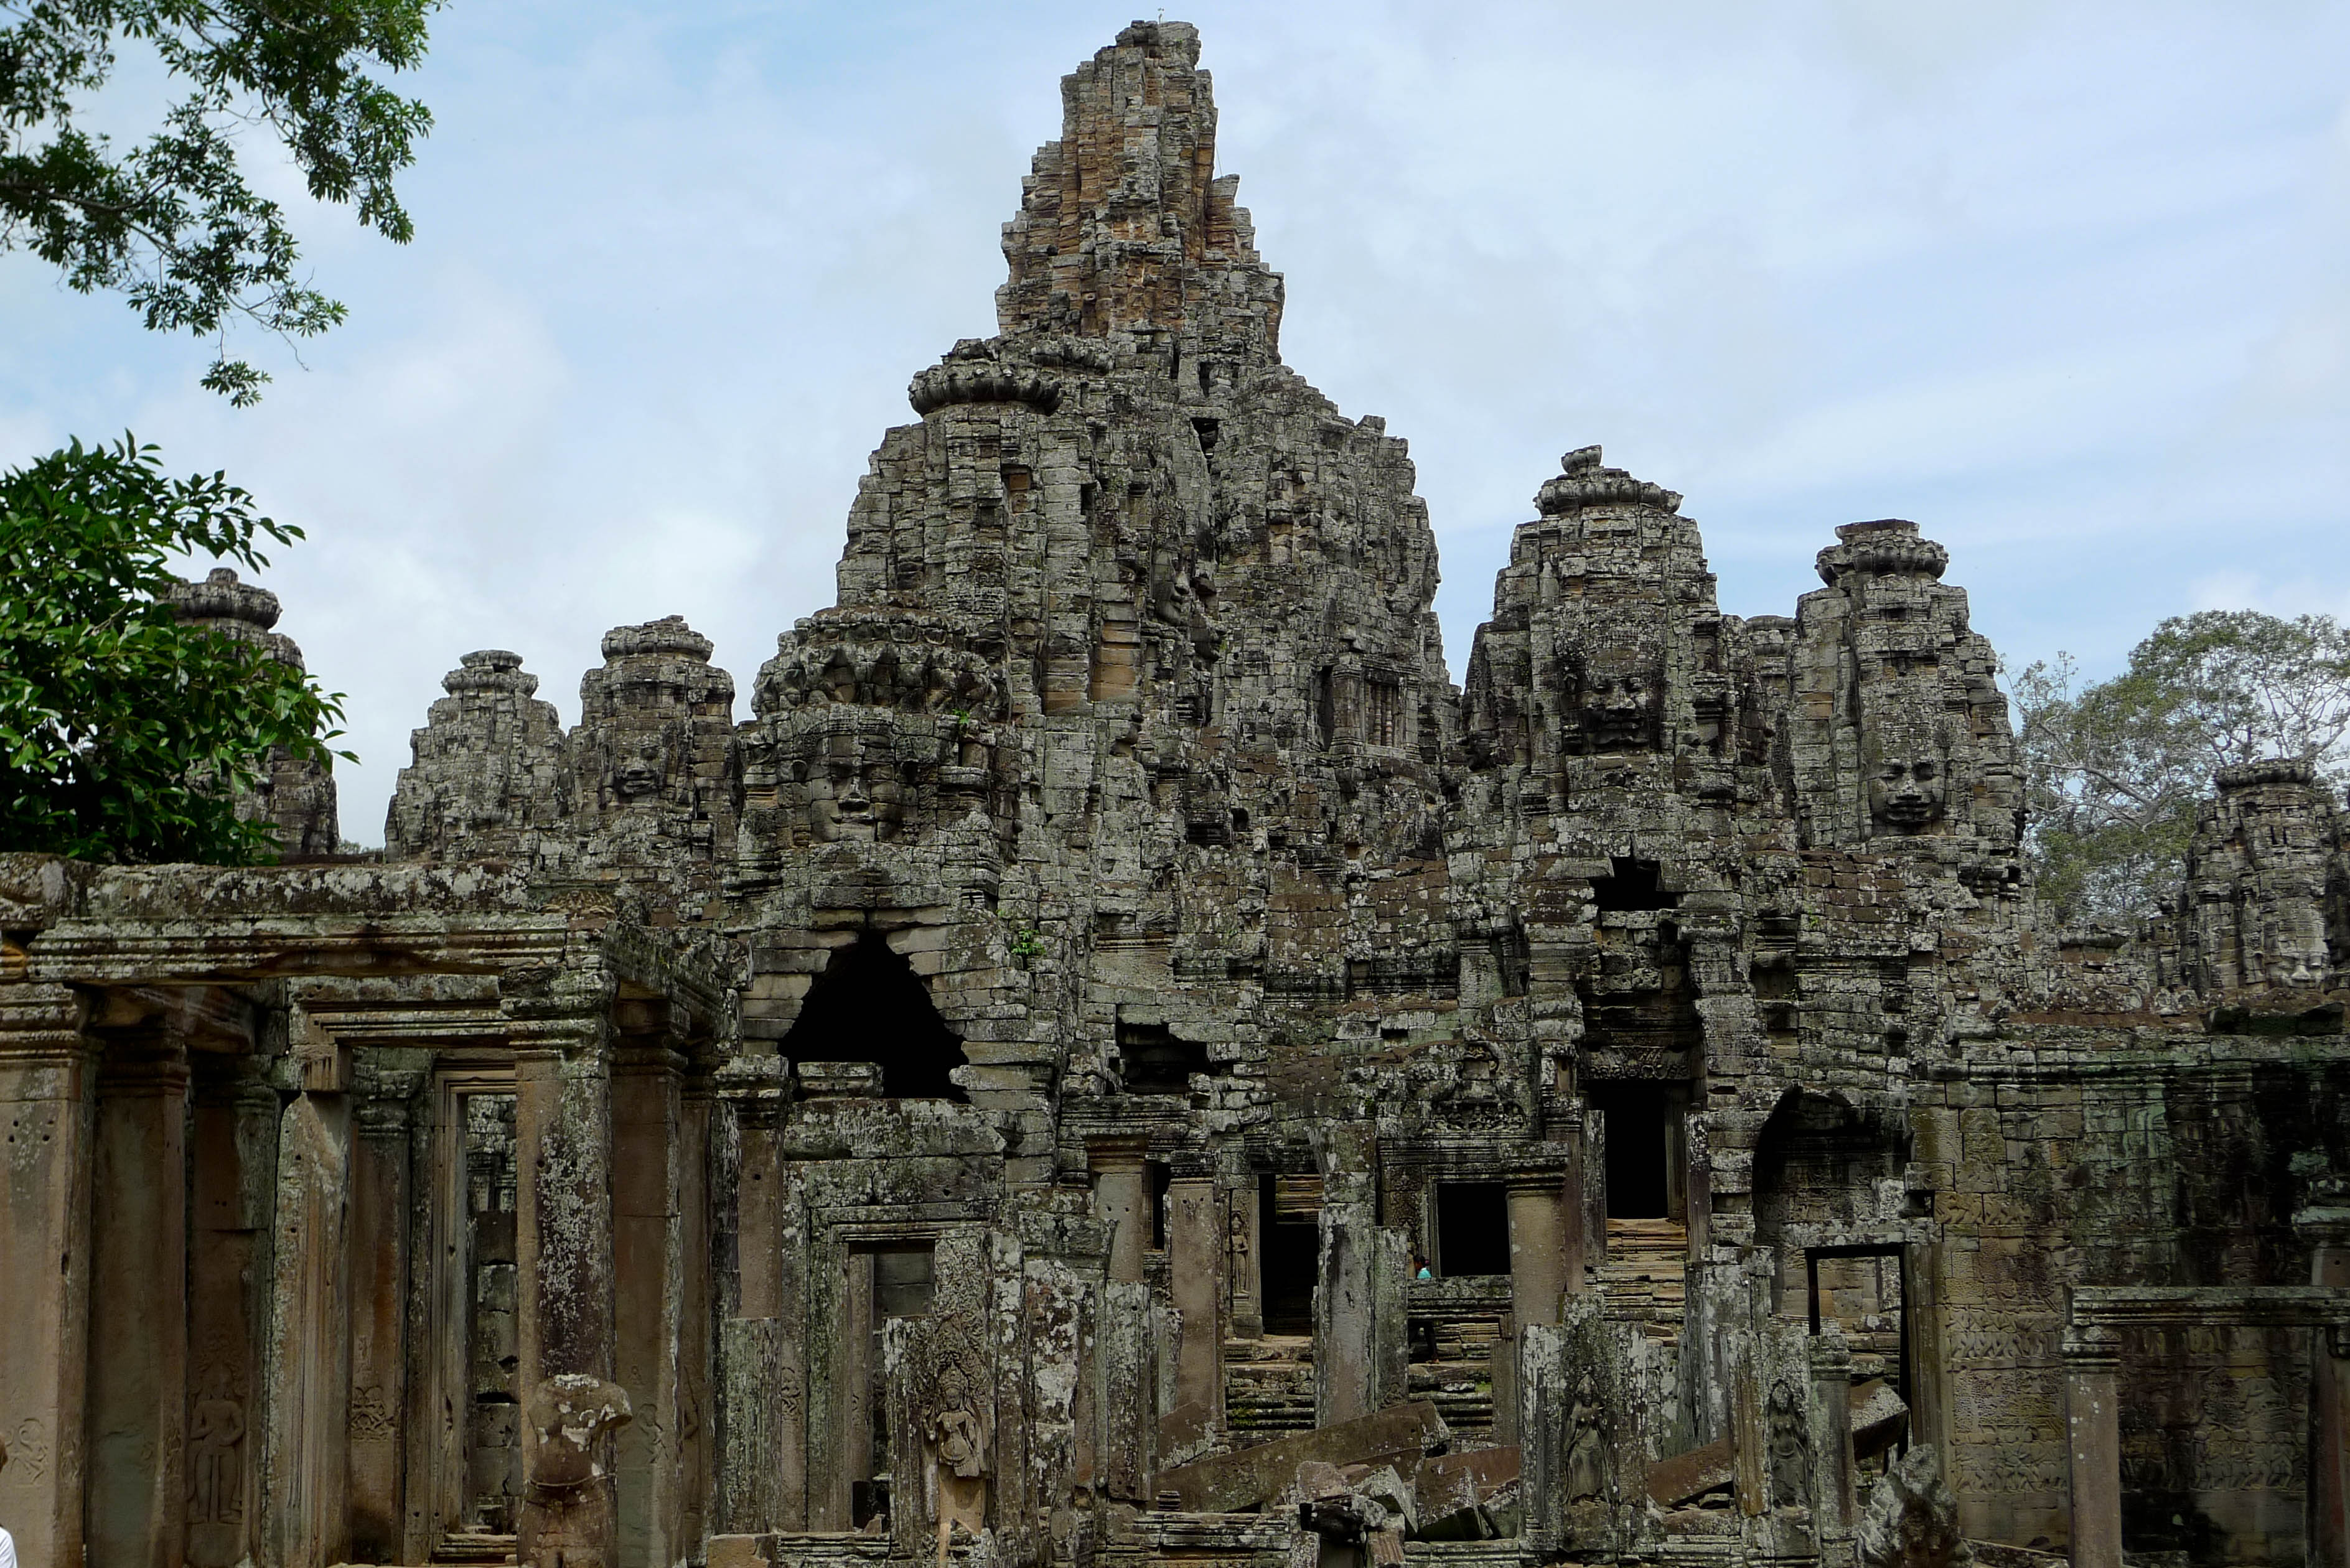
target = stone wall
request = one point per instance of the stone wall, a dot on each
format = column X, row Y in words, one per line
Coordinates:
column 1115, row 1057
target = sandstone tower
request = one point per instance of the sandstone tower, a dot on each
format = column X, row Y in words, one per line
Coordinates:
column 1115, row 1059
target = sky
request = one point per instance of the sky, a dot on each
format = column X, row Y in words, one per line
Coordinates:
column 2069, row 285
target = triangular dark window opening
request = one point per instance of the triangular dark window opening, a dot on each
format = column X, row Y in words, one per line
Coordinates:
column 869, row 1006
column 1632, row 885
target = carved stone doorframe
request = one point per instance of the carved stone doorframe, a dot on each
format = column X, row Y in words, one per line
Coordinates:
column 441, row 1411
column 2094, row 1324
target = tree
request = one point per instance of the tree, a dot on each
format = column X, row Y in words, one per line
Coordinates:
column 124, row 734
column 171, row 223
column 2112, row 771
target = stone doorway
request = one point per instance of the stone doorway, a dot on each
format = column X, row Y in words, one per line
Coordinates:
column 473, row 1355
column 888, row 1279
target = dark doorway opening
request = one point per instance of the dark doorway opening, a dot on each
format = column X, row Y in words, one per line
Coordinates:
column 1892, row 1261
column 1631, row 885
column 1152, row 1061
column 1162, row 1177
column 893, row 1280
column 1472, row 1228
column 1637, row 1119
column 1290, row 1250
column 869, row 1006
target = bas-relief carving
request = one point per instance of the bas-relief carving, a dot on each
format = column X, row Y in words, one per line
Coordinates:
column 1612, row 702
column 945, row 1384
column 640, row 767
column 28, row 1452
column 216, row 1429
column 1787, row 1431
column 1588, row 1466
column 1907, row 769
column 852, row 799
column 1139, row 623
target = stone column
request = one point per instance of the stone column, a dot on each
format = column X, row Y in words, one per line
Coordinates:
column 649, row 1305
column 1344, row 1364
column 137, row 1511
column 2093, row 1423
column 696, row 1471
column 1122, row 1201
column 304, row 1473
column 1195, row 1264
column 563, row 1239
column 235, row 1137
column 380, row 1215
column 1573, row 1252
column 2325, row 1225
column 1834, row 1506
column 1537, row 1279
column 760, row 1376
column 1697, row 1164
column 48, row 1079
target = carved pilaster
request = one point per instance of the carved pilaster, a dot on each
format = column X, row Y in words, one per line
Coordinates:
column 563, row 1135
column 2324, row 1224
column 1834, row 1504
column 139, row 1360
column 382, row 1168
column 1121, row 1201
column 650, row 1299
column 2093, row 1422
column 760, row 1382
column 48, row 1084
column 305, row 1467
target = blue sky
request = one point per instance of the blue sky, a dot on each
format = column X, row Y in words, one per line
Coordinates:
column 2067, row 284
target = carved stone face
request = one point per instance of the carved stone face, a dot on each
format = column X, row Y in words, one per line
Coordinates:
column 640, row 767
column 1614, row 701
column 1906, row 789
column 854, row 800
column 1620, row 713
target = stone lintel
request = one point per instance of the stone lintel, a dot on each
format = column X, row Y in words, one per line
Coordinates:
column 2202, row 1306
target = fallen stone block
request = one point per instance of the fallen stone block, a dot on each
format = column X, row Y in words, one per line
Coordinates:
column 1693, row 1472
column 1385, row 1487
column 1879, row 1417
column 1451, row 1491
column 1251, row 1478
column 737, row 1551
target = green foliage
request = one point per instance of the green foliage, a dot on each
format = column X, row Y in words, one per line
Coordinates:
column 170, row 222
column 2112, row 771
column 124, row 734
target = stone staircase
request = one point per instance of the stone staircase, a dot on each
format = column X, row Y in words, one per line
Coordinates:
column 1268, row 1389
column 1643, row 1279
column 1463, row 1392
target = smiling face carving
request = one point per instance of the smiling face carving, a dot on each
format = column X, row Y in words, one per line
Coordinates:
column 1614, row 700
column 854, row 799
column 1908, row 782
column 639, row 768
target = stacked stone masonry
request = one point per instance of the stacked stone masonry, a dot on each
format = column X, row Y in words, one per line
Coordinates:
column 1115, row 1059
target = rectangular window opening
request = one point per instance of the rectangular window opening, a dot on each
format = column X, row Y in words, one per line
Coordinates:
column 1473, row 1228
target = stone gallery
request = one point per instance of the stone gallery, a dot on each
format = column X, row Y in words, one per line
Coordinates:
column 1115, row 1059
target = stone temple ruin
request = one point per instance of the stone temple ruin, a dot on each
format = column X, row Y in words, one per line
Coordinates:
column 1115, row 1059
